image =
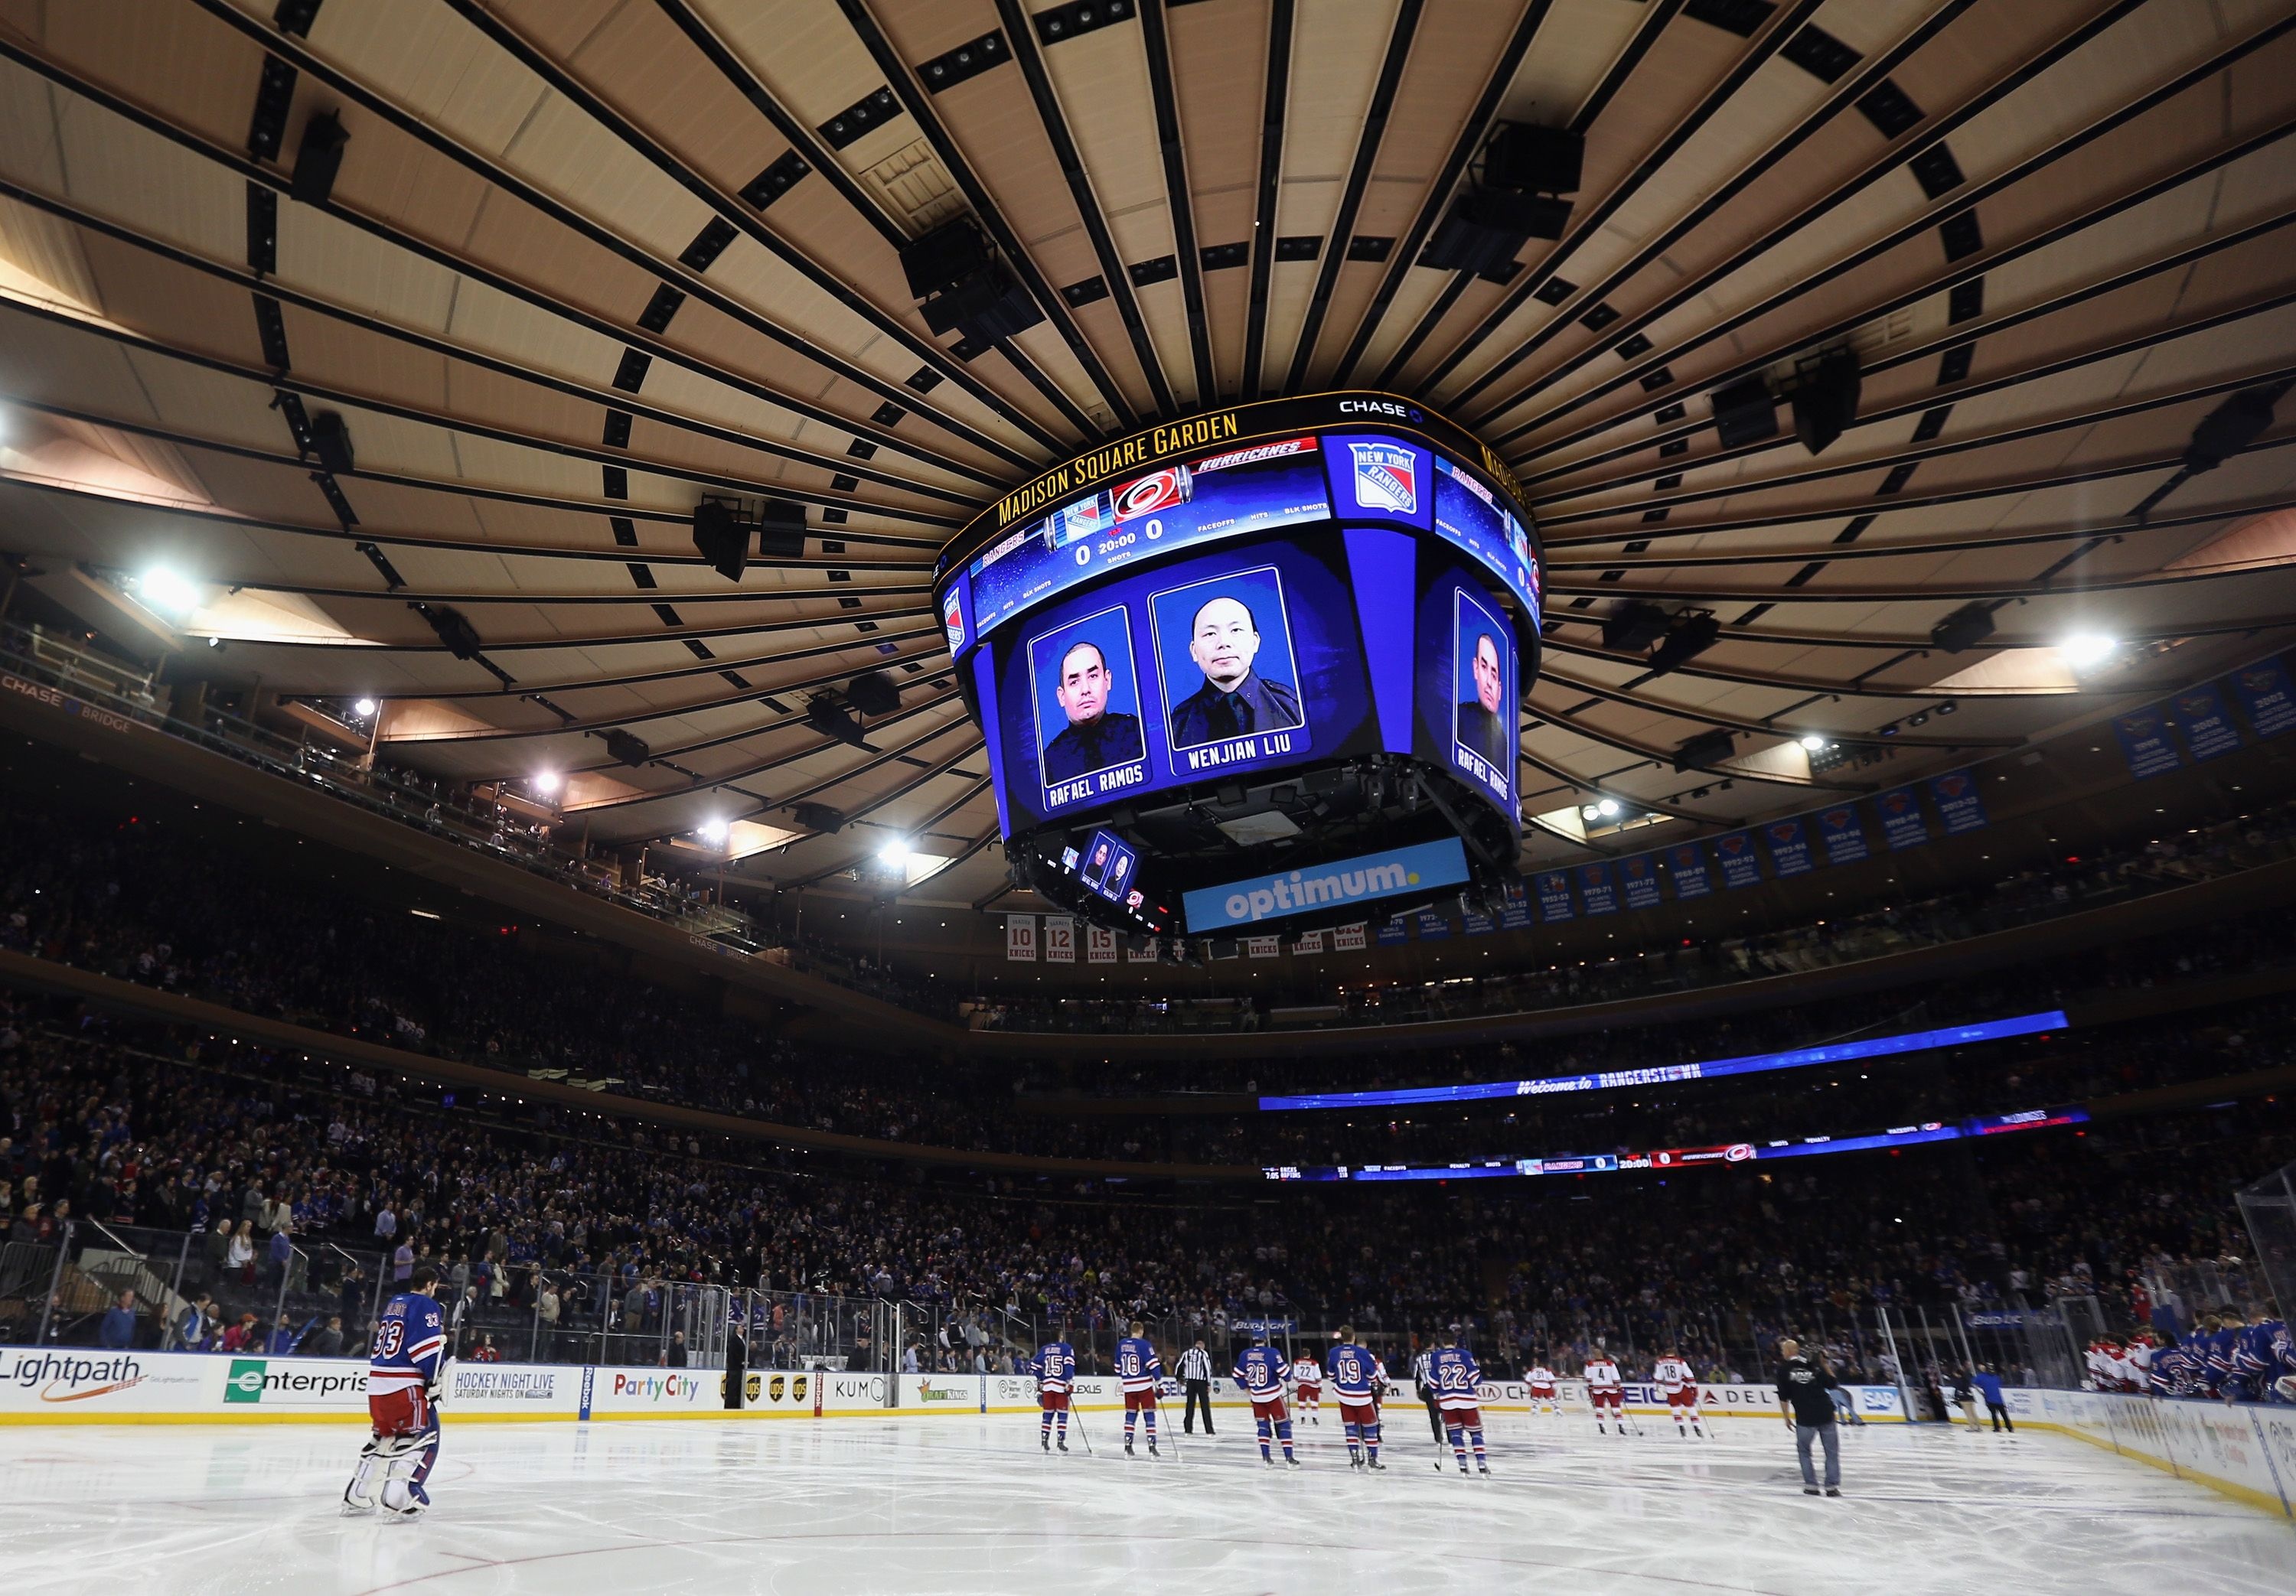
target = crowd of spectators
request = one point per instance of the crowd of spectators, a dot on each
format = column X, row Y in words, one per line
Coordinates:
column 312, row 1187
column 134, row 896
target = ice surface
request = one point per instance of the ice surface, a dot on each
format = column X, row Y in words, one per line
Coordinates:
column 948, row 1502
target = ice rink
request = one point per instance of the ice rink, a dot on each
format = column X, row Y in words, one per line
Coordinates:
column 945, row 1504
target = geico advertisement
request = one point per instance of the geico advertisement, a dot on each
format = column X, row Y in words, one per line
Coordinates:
column 81, row 1381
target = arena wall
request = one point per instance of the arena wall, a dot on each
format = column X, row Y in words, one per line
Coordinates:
column 80, row 1385
column 2246, row 1451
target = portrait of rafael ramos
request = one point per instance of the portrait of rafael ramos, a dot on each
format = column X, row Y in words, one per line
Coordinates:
column 1482, row 726
column 1095, row 737
column 1234, row 701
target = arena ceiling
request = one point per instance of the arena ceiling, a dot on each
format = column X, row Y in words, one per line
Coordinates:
column 586, row 260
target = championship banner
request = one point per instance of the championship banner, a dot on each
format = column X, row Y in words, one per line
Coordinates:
column 1638, row 878
column 1060, row 938
column 2144, row 740
column 1021, row 937
column 1902, row 823
column 1099, row 946
column 1392, row 930
column 2209, row 730
column 1960, row 806
column 1788, row 844
column 2264, row 692
column 1477, row 925
column 1311, row 942
column 1553, row 895
column 1433, row 927
column 1685, row 862
column 1842, row 834
column 1596, row 889
column 1351, row 940
column 1515, row 913
column 1143, row 951
column 1263, row 947
column 1741, row 865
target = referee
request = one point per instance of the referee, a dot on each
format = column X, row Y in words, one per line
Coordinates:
column 1423, row 1381
column 1805, row 1389
column 1196, row 1378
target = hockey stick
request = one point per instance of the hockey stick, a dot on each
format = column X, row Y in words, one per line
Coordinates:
column 1077, row 1414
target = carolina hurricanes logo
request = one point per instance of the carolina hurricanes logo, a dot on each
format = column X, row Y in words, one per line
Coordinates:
column 1158, row 490
column 1387, row 477
column 1738, row 1152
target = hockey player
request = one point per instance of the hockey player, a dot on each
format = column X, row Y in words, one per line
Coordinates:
column 1138, row 1369
column 404, row 1370
column 1674, row 1378
column 1358, row 1381
column 1307, row 1385
column 1543, row 1398
column 1055, row 1371
column 2254, row 1360
column 1605, row 1389
column 1260, row 1370
column 1458, row 1391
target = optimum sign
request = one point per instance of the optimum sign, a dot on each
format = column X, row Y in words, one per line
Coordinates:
column 1424, row 865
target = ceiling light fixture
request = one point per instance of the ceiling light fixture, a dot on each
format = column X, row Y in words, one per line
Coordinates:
column 2086, row 651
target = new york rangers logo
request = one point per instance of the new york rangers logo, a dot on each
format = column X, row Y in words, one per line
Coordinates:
column 952, row 619
column 1387, row 477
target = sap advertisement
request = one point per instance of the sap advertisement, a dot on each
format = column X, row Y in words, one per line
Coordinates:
column 1262, row 486
column 1319, row 645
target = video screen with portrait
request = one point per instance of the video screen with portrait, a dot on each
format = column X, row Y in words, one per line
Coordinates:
column 1468, row 719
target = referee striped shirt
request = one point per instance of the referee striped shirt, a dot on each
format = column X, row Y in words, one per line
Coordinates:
column 1195, row 1364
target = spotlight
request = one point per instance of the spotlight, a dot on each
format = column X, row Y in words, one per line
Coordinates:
column 545, row 780
column 714, row 833
column 168, row 591
column 1948, row 707
column 1919, row 718
column 364, row 709
column 895, row 854
column 1812, row 741
column 2085, row 650
column 1607, row 808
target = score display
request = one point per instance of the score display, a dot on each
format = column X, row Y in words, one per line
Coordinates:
column 1337, row 581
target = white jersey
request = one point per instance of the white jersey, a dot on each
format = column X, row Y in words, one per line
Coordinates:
column 1671, row 1375
column 1542, row 1378
column 1306, row 1372
column 1602, row 1375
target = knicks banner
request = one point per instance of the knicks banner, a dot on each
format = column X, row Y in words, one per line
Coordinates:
column 1060, row 938
column 1142, row 951
column 1960, row 807
column 1309, row 942
column 1263, row 947
column 1514, row 907
column 1789, row 845
column 2143, row 736
column 1099, row 944
column 1351, row 940
column 1596, row 889
column 1638, row 879
column 1902, row 825
column 1841, row 833
column 1021, row 937
column 1553, row 895
column 1685, row 862
column 1741, row 866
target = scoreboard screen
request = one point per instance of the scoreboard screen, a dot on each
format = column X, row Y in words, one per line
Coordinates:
column 1320, row 581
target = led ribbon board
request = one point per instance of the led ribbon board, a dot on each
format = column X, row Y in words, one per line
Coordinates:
column 1839, row 1052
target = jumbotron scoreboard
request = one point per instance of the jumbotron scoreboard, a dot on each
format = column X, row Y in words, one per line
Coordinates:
column 1261, row 666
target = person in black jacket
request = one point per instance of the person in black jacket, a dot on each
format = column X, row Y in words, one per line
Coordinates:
column 1805, row 1391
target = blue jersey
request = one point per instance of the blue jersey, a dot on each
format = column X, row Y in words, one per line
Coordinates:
column 1055, row 1367
column 1137, row 1363
column 1356, row 1375
column 1260, row 1373
column 410, row 1342
column 2219, row 1355
column 1456, row 1380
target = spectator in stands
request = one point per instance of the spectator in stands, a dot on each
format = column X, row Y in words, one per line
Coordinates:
column 327, row 1341
column 195, row 1326
column 117, row 1331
